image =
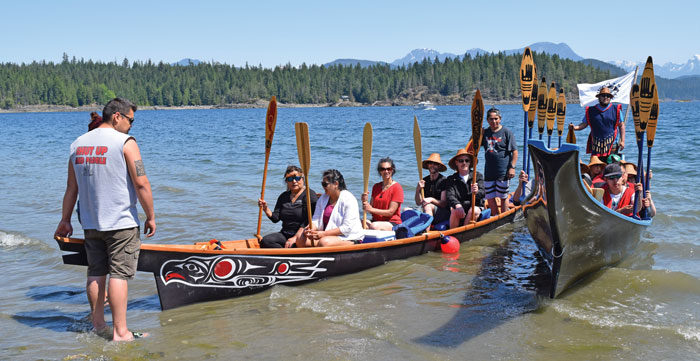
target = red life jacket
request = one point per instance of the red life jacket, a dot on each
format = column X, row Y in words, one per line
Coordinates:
column 625, row 200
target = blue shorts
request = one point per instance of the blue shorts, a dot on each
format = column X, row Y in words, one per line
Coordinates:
column 496, row 189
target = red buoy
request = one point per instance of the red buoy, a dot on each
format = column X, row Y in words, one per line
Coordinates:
column 449, row 244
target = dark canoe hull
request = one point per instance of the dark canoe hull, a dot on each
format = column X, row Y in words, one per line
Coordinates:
column 575, row 233
column 186, row 275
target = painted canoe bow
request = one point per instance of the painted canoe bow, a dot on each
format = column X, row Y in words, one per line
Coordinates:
column 575, row 234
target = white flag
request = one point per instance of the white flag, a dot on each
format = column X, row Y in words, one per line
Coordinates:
column 619, row 87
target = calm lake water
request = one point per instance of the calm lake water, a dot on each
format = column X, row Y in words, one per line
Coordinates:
column 205, row 167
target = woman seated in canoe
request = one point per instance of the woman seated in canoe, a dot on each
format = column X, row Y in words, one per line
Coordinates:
column 619, row 195
column 387, row 196
column 595, row 169
column 336, row 220
column 290, row 209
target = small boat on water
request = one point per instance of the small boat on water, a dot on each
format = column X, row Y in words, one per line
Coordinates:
column 426, row 105
column 575, row 233
column 213, row 270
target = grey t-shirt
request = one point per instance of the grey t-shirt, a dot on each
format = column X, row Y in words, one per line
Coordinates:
column 499, row 147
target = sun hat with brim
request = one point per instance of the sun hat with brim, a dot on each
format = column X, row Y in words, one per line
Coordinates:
column 435, row 158
column 612, row 170
column 453, row 162
column 604, row 91
column 595, row 160
column 584, row 167
column 630, row 168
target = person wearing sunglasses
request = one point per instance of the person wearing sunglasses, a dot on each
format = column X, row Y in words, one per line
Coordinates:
column 618, row 195
column 459, row 189
column 290, row 209
column 604, row 120
column 336, row 220
column 107, row 173
column 387, row 197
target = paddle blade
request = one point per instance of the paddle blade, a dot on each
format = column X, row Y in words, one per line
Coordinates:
column 302, row 131
column 647, row 88
column 417, row 146
column 551, row 108
column 541, row 106
column 527, row 77
column 366, row 153
column 477, row 121
column 653, row 119
column 634, row 104
column 571, row 135
column 561, row 112
column 270, row 122
column 532, row 112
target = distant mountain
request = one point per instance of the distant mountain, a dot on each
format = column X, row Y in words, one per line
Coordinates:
column 353, row 62
column 187, row 61
column 668, row 70
column 614, row 70
column 561, row 49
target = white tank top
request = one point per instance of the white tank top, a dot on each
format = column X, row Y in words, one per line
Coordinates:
column 106, row 194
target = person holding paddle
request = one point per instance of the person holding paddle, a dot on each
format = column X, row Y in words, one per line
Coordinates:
column 433, row 187
column 290, row 209
column 459, row 189
column 336, row 220
column 387, row 197
column 605, row 121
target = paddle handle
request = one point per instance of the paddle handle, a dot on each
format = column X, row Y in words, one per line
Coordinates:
column 308, row 201
column 473, row 196
column 528, row 163
column 262, row 192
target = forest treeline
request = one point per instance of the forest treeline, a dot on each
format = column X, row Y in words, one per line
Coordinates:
column 75, row 82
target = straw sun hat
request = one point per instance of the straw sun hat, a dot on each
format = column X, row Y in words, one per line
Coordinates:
column 435, row 158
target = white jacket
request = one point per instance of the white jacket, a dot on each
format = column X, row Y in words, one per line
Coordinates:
column 345, row 216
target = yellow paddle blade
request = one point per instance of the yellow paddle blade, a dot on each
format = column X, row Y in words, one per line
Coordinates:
column 647, row 87
column 477, row 121
column 532, row 112
column 417, row 147
column 571, row 135
column 302, row 131
column 561, row 112
column 270, row 121
column 653, row 119
column 366, row 153
column 527, row 77
column 541, row 106
column 634, row 104
column 551, row 108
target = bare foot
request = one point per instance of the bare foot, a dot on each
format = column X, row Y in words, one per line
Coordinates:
column 133, row 336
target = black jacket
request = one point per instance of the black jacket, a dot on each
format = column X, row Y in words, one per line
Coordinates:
column 460, row 193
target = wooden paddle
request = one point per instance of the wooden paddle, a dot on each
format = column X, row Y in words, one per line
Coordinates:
column 528, row 78
column 270, row 122
column 532, row 112
column 366, row 160
column 551, row 112
column 561, row 114
column 651, row 129
column 419, row 153
column 302, row 132
column 541, row 106
column 634, row 104
column 647, row 87
column 477, row 133
column 570, row 135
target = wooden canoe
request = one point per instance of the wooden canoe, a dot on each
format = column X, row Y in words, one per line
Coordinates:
column 187, row 274
column 575, row 234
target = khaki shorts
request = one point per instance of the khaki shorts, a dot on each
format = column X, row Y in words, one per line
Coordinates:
column 114, row 252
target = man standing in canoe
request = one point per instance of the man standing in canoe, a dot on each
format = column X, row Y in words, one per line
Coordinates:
column 105, row 169
column 604, row 120
column 501, row 155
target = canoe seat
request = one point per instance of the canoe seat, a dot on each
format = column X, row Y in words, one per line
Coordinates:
column 412, row 223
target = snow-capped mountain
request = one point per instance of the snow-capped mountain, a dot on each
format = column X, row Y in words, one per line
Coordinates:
column 668, row 70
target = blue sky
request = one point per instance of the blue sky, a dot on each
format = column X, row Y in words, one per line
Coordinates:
column 315, row 32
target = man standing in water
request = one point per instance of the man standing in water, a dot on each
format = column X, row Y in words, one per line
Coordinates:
column 106, row 170
column 604, row 120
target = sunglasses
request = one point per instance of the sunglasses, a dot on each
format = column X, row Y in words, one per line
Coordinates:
column 131, row 120
column 613, row 177
column 324, row 184
column 385, row 169
column 293, row 178
column 463, row 160
column 606, row 96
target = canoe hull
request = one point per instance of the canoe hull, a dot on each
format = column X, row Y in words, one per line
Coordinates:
column 575, row 233
column 185, row 276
